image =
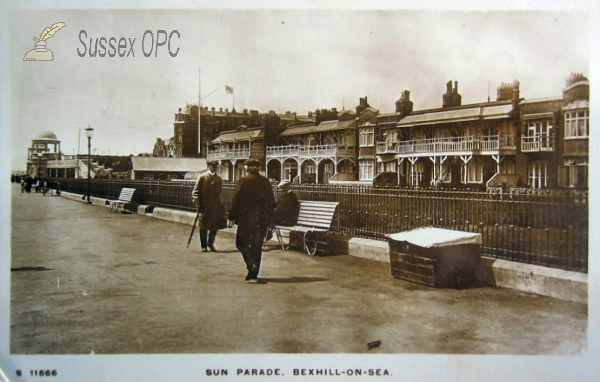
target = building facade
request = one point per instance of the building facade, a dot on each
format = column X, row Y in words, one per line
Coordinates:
column 311, row 153
column 536, row 143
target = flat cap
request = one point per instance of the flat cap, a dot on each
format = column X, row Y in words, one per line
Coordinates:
column 213, row 162
column 253, row 162
column 283, row 183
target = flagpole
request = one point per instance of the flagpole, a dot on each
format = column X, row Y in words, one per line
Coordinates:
column 199, row 112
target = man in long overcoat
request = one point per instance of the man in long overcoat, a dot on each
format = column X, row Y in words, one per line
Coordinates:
column 207, row 197
column 252, row 210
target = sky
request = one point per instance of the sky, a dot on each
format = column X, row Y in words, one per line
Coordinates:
column 281, row 60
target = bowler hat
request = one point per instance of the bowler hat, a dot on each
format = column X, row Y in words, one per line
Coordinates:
column 253, row 162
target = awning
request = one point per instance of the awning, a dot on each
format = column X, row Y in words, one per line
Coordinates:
column 457, row 115
column 238, row 136
column 323, row 126
column 461, row 115
column 495, row 112
column 529, row 117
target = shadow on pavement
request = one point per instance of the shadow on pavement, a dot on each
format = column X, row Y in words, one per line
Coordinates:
column 22, row 269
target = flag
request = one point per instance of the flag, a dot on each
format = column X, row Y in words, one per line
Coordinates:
column 228, row 89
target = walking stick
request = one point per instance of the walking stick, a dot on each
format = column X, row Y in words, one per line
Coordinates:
column 193, row 228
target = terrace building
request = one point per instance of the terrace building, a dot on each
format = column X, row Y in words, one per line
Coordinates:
column 456, row 145
column 312, row 153
column 213, row 122
column 231, row 149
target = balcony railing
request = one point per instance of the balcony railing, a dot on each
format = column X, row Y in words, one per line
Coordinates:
column 310, row 151
column 538, row 142
column 486, row 142
column 325, row 150
column 290, row 150
column 229, row 154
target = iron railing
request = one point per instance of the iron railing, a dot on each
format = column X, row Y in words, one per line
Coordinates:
column 546, row 228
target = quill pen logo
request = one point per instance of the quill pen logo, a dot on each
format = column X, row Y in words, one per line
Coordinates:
column 40, row 51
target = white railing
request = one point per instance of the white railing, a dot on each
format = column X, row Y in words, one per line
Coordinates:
column 228, row 154
column 386, row 147
column 325, row 150
column 537, row 142
column 309, row 151
column 486, row 142
column 291, row 150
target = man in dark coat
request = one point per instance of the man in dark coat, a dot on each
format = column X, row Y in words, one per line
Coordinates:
column 207, row 197
column 252, row 210
column 286, row 211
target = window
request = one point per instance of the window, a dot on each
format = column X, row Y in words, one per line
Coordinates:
column 365, row 169
column 576, row 124
column 290, row 170
column 577, row 174
column 224, row 170
column 416, row 174
column 446, row 173
column 310, row 168
column 367, row 136
column 538, row 175
column 391, row 166
column 475, row 174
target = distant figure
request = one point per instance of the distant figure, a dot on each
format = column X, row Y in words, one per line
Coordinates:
column 28, row 184
column 57, row 188
column 252, row 210
column 286, row 211
column 207, row 198
column 22, row 186
column 44, row 187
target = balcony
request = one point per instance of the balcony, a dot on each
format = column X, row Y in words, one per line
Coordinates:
column 283, row 151
column 228, row 154
column 310, row 151
column 539, row 142
column 448, row 145
column 326, row 150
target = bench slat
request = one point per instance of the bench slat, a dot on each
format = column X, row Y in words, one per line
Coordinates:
column 320, row 212
column 314, row 218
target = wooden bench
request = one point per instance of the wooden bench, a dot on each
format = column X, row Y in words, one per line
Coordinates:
column 313, row 217
column 119, row 204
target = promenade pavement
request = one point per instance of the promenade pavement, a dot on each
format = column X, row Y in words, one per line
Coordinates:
column 85, row 280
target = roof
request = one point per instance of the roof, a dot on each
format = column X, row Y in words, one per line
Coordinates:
column 531, row 116
column 231, row 136
column 457, row 115
column 580, row 104
column 536, row 100
column 323, row 126
column 168, row 164
column 46, row 136
column 370, row 108
column 67, row 163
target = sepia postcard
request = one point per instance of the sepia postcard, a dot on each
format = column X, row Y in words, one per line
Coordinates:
column 262, row 190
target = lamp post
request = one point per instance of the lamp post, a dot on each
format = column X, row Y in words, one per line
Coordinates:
column 89, row 132
column 39, row 156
